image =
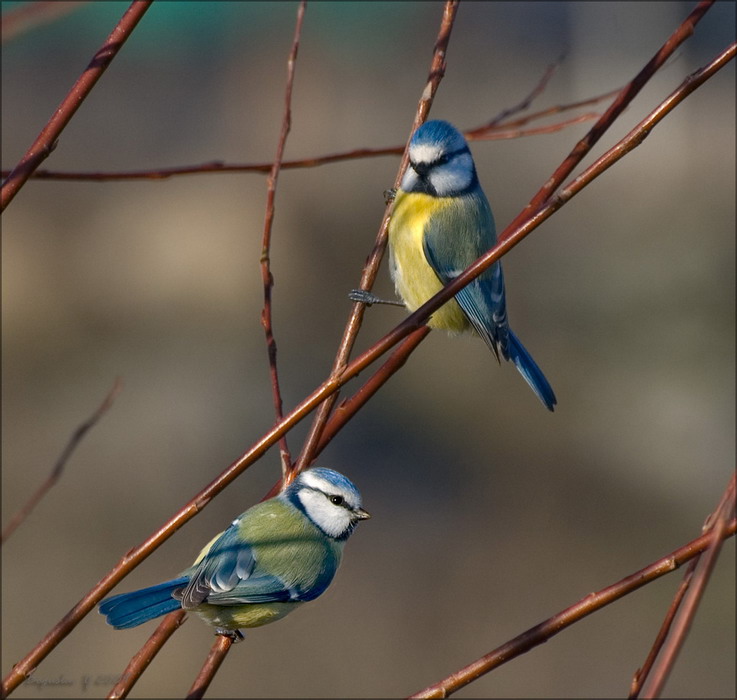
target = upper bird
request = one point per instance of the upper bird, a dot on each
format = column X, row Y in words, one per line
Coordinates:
column 440, row 224
column 278, row 554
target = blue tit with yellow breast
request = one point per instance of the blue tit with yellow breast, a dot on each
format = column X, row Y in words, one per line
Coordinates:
column 277, row 555
column 440, row 224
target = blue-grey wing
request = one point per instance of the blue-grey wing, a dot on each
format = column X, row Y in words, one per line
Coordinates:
column 228, row 575
column 454, row 237
column 229, row 566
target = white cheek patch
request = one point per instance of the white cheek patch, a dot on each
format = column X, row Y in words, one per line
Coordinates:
column 331, row 519
column 454, row 177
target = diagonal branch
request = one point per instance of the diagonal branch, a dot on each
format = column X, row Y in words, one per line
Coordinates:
column 591, row 603
column 61, row 462
column 625, row 97
column 145, row 655
column 47, row 140
column 33, row 14
column 719, row 525
column 220, row 648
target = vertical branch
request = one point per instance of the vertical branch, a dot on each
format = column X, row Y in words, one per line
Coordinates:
column 370, row 270
column 47, row 140
column 58, row 469
column 266, row 276
column 215, row 658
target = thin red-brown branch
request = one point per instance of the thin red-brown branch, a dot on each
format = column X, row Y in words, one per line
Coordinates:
column 530, row 98
column 557, row 623
column 145, row 655
column 266, row 275
column 32, row 14
column 687, row 611
column 61, row 462
column 371, row 268
column 47, row 140
column 719, row 514
column 486, row 132
column 549, row 129
column 219, row 651
column 641, row 674
column 625, row 97
column 348, row 408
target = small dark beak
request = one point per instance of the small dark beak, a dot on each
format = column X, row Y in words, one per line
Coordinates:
column 361, row 514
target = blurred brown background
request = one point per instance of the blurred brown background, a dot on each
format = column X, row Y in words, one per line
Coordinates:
column 490, row 514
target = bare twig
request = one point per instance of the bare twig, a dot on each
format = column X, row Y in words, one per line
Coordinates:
column 527, row 101
column 371, row 268
column 642, row 673
column 712, row 522
column 348, row 408
column 685, row 615
column 514, row 234
column 625, row 97
column 266, row 276
column 61, row 462
column 217, row 654
column 32, row 14
column 145, row 655
column 47, row 140
column 485, row 132
column 549, row 628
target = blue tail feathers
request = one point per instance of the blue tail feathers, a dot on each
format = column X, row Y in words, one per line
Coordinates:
column 132, row 609
column 530, row 371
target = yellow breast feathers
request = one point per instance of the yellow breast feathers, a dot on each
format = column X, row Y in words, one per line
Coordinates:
column 414, row 279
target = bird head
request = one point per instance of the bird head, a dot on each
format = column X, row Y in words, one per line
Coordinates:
column 329, row 499
column 440, row 163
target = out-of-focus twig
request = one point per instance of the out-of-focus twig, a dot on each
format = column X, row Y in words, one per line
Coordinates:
column 61, row 462
column 514, row 234
column 20, row 19
column 266, row 275
column 720, row 520
column 549, row 628
column 625, row 97
column 145, row 655
column 371, row 268
column 220, row 649
column 47, row 140
column 529, row 99
column 486, row 132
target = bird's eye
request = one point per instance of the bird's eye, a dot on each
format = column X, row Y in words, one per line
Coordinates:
column 442, row 160
column 336, row 500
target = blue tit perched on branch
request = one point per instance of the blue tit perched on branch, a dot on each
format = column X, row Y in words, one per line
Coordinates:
column 440, row 224
column 277, row 555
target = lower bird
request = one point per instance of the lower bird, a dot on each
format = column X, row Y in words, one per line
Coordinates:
column 277, row 555
column 440, row 224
